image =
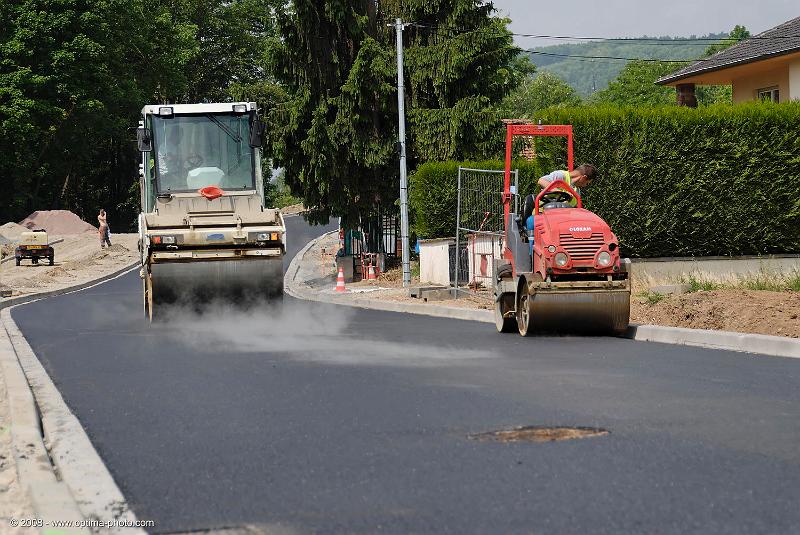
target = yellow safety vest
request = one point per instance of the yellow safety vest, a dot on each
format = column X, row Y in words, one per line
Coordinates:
column 568, row 180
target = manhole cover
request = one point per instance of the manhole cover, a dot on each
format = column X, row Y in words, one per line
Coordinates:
column 539, row 434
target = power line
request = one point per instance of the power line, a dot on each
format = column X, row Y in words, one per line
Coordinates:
column 615, row 58
column 655, row 40
column 458, row 31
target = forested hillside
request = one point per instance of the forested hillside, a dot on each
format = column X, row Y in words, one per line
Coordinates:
column 587, row 75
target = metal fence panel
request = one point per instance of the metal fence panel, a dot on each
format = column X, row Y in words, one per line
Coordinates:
column 479, row 228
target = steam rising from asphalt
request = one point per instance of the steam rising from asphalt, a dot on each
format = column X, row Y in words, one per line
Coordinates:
column 301, row 330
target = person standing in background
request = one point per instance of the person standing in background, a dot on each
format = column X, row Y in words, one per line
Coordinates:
column 105, row 233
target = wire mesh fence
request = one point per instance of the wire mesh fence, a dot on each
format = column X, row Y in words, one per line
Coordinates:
column 479, row 229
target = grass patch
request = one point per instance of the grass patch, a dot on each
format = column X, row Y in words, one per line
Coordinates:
column 696, row 284
column 651, row 298
column 764, row 282
column 761, row 281
column 793, row 281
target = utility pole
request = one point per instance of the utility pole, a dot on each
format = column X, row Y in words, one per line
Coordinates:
column 401, row 108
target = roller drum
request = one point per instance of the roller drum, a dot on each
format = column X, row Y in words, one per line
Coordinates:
column 243, row 280
column 579, row 311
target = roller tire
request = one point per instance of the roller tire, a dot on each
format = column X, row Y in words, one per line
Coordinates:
column 501, row 307
column 149, row 301
column 524, row 309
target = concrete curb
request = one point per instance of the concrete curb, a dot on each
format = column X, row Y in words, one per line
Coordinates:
column 762, row 344
column 51, row 499
column 759, row 344
column 56, row 462
column 71, row 452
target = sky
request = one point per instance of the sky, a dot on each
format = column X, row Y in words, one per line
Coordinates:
column 633, row 18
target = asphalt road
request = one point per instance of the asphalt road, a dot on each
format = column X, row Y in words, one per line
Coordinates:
column 317, row 418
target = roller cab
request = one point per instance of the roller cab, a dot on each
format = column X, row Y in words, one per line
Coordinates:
column 204, row 231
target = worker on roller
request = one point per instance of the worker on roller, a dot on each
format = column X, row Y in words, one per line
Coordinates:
column 580, row 177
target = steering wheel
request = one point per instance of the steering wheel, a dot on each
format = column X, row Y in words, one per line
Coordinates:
column 193, row 161
column 555, row 196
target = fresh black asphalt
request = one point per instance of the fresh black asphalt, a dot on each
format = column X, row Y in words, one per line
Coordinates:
column 325, row 419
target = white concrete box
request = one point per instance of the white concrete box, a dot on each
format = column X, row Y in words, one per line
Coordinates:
column 434, row 260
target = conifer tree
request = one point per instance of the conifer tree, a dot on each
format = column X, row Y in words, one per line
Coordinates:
column 335, row 135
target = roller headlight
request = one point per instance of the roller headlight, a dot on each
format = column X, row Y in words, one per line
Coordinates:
column 561, row 259
column 263, row 236
column 604, row 259
column 552, row 248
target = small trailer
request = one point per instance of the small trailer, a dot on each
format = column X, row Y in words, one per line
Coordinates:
column 34, row 245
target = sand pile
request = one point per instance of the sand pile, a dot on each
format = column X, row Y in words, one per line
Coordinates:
column 58, row 272
column 11, row 231
column 57, row 222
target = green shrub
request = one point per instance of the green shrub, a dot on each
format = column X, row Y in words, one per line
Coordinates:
column 674, row 181
column 717, row 180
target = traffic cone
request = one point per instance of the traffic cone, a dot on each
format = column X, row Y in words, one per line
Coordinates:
column 340, row 281
column 371, row 273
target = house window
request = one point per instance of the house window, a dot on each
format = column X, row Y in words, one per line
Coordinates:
column 769, row 93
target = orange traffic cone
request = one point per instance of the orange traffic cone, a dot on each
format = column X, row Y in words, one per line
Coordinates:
column 371, row 273
column 340, row 281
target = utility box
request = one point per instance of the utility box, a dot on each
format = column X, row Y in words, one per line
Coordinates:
column 434, row 260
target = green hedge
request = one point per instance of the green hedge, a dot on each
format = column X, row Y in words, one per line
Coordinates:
column 718, row 180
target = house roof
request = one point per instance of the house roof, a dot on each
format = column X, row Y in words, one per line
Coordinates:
column 783, row 39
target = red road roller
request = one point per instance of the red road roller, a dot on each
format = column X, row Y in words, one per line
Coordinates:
column 564, row 274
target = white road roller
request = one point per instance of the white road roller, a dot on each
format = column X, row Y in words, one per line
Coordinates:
column 204, row 232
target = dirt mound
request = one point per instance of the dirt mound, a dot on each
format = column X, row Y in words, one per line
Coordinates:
column 11, row 231
column 108, row 251
column 746, row 311
column 57, row 222
column 58, row 272
column 117, row 248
